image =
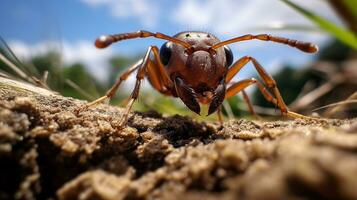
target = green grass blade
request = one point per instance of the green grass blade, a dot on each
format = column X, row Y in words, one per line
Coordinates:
column 340, row 33
column 352, row 6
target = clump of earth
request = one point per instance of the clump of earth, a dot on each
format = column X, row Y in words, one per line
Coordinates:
column 48, row 151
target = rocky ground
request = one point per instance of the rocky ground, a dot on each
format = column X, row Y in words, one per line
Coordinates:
column 47, row 151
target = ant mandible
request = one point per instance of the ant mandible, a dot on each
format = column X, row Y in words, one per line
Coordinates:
column 197, row 67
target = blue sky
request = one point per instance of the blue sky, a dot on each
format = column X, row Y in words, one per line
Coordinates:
column 31, row 27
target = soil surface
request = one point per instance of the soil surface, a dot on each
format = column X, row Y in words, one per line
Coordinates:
column 47, row 151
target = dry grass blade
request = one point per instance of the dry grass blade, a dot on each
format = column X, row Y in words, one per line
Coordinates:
column 16, row 69
column 5, row 74
column 17, row 66
column 28, row 69
column 228, row 110
column 40, row 83
column 10, row 52
column 45, row 77
column 313, row 95
column 340, row 105
column 344, row 102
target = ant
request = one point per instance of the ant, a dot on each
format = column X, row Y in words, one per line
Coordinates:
column 198, row 68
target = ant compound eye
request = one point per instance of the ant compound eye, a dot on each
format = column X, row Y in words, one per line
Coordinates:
column 165, row 53
column 229, row 55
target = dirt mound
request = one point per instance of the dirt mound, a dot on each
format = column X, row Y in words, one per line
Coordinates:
column 48, row 151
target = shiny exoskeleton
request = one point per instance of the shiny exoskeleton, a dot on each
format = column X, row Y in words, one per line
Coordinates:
column 198, row 68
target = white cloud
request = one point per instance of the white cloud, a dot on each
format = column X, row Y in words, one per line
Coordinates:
column 231, row 16
column 145, row 11
column 96, row 60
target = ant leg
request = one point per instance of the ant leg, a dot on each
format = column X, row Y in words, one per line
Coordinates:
column 158, row 76
column 111, row 92
column 268, row 80
column 241, row 85
column 157, row 73
column 154, row 77
column 249, row 103
column 220, row 117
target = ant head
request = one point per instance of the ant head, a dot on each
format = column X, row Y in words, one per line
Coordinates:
column 198, row 71
column 199, row 51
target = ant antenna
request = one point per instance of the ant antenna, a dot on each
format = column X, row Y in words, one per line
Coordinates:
column 303, row 46
column 106, row 40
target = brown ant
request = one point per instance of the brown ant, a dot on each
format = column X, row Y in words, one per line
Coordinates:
column 197, row 67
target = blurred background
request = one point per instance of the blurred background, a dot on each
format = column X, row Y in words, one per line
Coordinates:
column 53, row 42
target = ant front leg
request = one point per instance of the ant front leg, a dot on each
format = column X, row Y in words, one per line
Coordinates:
column 111, row 92
column 247, row 101
column 157, row 74
column 268, row 80
column 241, row 85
